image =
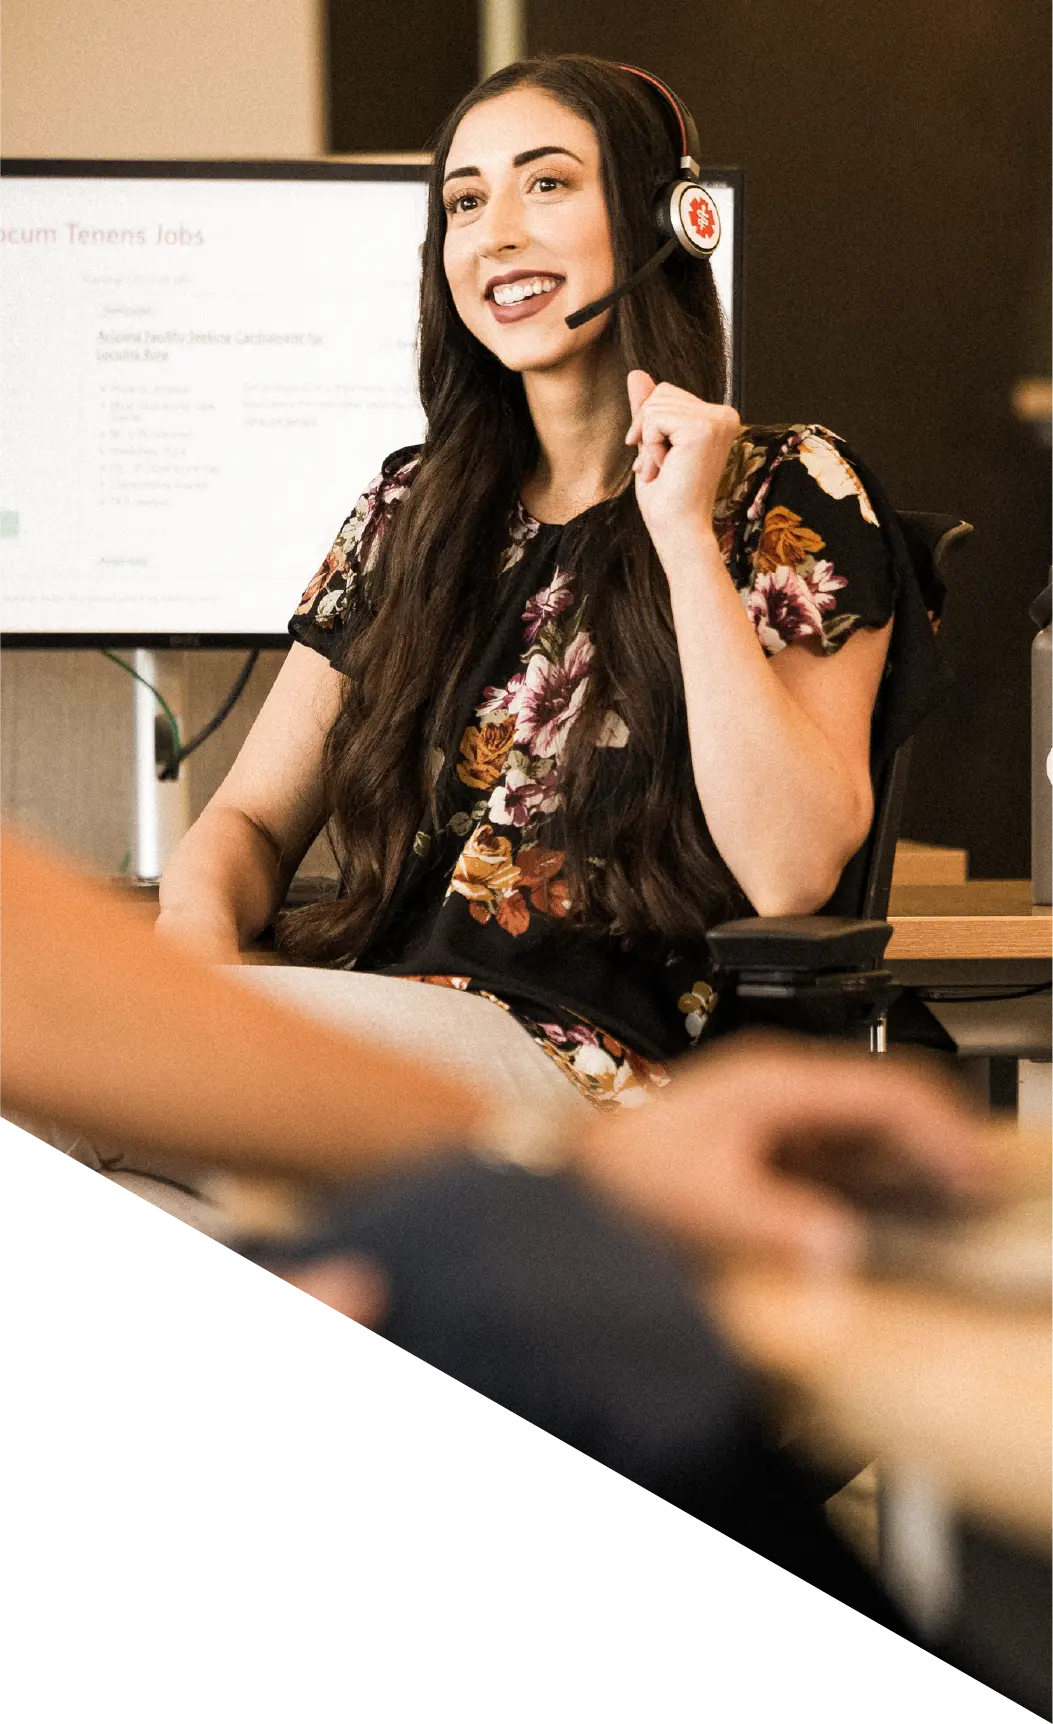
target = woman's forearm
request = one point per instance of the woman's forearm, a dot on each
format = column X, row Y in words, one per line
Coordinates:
column 782, row 804
column 223, row 884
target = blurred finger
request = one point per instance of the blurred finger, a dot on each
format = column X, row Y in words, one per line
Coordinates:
column 891, row 1105
column 784, row 1218
column 354, row 1286
column 789, row 1091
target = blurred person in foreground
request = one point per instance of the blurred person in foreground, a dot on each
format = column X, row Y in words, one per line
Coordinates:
column 571, row 1298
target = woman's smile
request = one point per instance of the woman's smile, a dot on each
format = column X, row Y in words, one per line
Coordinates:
column 521, row 293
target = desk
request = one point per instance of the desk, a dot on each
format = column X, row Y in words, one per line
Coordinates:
column 922, row 1377
column 953, row 1397
column 978, row 934
column 929, row 865
column 992, row 920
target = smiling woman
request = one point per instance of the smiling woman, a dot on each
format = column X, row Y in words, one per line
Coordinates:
column 595, row 665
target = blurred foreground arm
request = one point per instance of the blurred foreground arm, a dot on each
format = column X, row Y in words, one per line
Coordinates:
column 107, row 1029
column 767, row 1148
column 763, row 1145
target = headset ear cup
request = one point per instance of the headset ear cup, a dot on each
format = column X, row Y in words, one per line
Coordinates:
column 663, row 215
column 686, row 212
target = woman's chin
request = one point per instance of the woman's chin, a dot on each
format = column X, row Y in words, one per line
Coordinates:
column 520, row 348
column 540, row 350
column 538, row 342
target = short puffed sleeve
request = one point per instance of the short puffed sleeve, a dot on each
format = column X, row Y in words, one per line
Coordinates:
column 813, row 563
column 336, row 602
column 817, row 552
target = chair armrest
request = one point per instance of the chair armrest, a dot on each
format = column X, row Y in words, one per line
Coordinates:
column 821, row 975
column 799, row 943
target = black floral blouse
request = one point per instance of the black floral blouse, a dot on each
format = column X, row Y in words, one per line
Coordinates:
column 815, row 554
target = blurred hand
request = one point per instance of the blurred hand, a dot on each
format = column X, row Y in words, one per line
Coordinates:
column 773, row 1145
column 354, row 1286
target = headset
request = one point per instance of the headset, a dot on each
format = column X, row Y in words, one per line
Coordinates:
column 685, row 215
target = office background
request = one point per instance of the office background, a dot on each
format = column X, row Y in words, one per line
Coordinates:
column 897, row 208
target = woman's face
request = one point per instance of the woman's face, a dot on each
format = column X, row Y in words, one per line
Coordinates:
column 527, row 236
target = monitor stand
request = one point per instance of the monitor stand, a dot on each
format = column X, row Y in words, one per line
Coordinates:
column 162, row 807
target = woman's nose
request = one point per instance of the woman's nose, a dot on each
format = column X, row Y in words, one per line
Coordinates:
column 502, row 228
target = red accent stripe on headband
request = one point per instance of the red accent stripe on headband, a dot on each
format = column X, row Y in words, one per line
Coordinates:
column 649, row 77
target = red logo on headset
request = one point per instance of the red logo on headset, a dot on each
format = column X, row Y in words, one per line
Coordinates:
column 702, row 217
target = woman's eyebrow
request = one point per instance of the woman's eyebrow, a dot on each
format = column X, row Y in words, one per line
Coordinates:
column 519, row 161
column 526, row 156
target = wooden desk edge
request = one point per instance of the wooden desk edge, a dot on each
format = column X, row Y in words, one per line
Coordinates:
column 970, row 937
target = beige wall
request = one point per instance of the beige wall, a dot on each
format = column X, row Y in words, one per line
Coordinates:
column 162, row 78
column 139, row 78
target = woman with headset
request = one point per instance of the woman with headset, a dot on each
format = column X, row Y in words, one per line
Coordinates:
column 592, row 668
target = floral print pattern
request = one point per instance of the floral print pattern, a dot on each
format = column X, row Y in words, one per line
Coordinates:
column 513, row 751
column 697, row 1005
column 602, row 1068
column 548, row 604
column 334, row 588
column 784, row 541
column 525, row 793
column 818, row 453
column 521, row 529
column 483, row 892
column 544, row 699
column 598, row 1065
column 483, row 750
column 791, row 589
column 745, row 460
column 494, row 882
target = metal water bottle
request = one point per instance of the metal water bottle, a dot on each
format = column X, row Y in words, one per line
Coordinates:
column 1041, row 748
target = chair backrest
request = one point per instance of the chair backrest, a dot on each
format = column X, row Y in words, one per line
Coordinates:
column 890, row 795
column 866, row 883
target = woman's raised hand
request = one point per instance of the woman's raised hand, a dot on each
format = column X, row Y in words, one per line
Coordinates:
column 683, row 446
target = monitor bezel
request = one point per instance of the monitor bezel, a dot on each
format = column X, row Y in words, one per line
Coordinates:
column 359, row 167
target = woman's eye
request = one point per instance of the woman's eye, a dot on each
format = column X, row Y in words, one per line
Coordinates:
column 462, row 205
column 547, row 183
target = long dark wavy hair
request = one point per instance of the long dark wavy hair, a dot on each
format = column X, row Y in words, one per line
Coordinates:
column 431, row 585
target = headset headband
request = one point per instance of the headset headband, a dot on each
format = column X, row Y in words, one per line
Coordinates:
column 689, row 149
column 686, row 217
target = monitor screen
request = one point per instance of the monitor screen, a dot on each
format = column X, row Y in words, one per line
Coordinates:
column 203, row 365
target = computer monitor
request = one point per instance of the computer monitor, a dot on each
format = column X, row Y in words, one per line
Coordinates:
column 203, row 365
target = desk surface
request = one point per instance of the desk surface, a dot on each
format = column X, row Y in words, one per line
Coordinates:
column 957, row 1388
column 969, row 919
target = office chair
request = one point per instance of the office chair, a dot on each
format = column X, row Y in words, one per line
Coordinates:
column 822, row 974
